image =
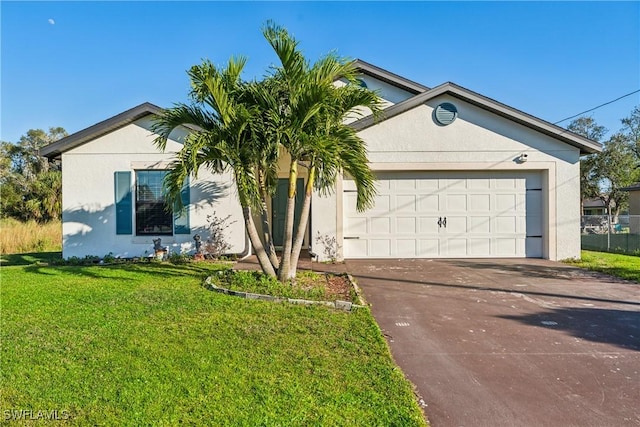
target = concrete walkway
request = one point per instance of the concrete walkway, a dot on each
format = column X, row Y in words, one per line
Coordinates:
column 510, row 342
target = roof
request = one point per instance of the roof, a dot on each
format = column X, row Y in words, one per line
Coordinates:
column 585, row 145
column 74, row 140
column 594, row 203
column 632, row 187
column 389, row 77
column 422, row 94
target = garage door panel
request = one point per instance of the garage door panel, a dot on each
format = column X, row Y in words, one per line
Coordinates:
column 406, row 203
column 479, row 224
column 506, row 202
column 428, row 225
column 380, row 225
column 506, row 224
column 455, row 225
column 428, row 248
column 349, row 204
column 480, row 202
column 428, row 203
column 456, row 184
column 488, row 214
column 428, row 184
column 406, row 225
column 506, row 246
column 406, row 248
column 479, row 247
column 357, row 247
column 383, row 185
column 456, row 247
column 380, row 248
column 356, row 225
column 456, row 202
column 382, row 203
column 479, row 183
column 405, row 185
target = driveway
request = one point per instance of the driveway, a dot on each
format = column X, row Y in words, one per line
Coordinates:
column 510, row 342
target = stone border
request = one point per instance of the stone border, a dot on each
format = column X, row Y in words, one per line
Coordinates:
column 339, row 305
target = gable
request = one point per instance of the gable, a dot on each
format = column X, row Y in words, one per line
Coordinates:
column 133, row 138
column 475, row 135
column 586, row 146
column 139, row 115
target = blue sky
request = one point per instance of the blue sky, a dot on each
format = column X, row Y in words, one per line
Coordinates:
column 73, row 64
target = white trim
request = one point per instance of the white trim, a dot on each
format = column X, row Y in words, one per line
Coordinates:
column 160, row 165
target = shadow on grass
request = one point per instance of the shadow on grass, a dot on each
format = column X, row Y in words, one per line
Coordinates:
column 44, row 263
column 162, row 270
column 617, row 327
column 29, row 258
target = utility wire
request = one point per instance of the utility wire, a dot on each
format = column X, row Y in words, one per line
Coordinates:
column 595, row 108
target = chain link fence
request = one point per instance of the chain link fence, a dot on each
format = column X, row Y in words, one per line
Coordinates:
column 608, row 233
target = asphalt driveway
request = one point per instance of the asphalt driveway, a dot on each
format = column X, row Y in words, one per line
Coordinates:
column 510, row 342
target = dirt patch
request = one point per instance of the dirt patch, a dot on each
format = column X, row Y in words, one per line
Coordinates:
column 339, row 287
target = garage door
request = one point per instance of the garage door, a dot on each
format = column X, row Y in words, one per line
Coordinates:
column 446, row 214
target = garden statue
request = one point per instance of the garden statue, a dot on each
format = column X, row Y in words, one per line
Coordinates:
column 159, row 250
column 198, row 243
column 199, row 256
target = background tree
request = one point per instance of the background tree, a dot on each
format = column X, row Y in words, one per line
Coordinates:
column 30, row 186
column 603, row 174
column 614, row 167
column 631, row 131
column 589, row 179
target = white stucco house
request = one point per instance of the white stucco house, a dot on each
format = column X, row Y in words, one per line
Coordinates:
column 458, row 175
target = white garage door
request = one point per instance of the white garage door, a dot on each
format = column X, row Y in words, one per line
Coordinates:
column 446, row 214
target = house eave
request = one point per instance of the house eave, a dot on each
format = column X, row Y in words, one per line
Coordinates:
column 389, row 77
column 585, row 145
column 56, row 149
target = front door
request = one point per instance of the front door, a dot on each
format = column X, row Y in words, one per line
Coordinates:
column 279, row 208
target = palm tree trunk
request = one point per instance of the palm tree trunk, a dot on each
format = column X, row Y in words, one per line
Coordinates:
column 285, row 262
column 254, row 237
column 266, row 231
column 302, row 225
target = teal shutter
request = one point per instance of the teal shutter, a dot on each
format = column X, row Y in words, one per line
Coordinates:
column 181, row 216
column 124, row 203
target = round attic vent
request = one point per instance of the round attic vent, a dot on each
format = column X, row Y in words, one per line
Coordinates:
column 446, row 113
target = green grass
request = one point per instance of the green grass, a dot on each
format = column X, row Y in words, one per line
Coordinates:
column 623, row 266
column 146, row 344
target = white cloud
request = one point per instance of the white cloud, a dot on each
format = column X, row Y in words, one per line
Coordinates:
column 51, row 21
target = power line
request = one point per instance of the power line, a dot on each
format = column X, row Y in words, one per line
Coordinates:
column 595, row 108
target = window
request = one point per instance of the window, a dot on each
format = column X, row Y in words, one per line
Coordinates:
column 153, row 216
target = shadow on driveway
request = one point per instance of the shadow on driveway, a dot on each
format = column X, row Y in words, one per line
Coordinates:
column 617, row 327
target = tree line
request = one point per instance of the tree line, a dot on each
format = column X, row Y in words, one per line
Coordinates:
column 604, row 175
column 30, row 185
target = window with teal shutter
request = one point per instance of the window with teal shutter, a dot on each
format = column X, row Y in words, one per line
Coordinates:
column 153, row 215
column 181, row 216
column 124, row 205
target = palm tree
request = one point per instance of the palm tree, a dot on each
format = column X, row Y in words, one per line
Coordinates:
column 312, row 110
column 222, row 138
column 245, row 127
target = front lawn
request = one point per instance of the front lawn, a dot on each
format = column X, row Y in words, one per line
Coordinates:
column 146, row 344
column 623, row 266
